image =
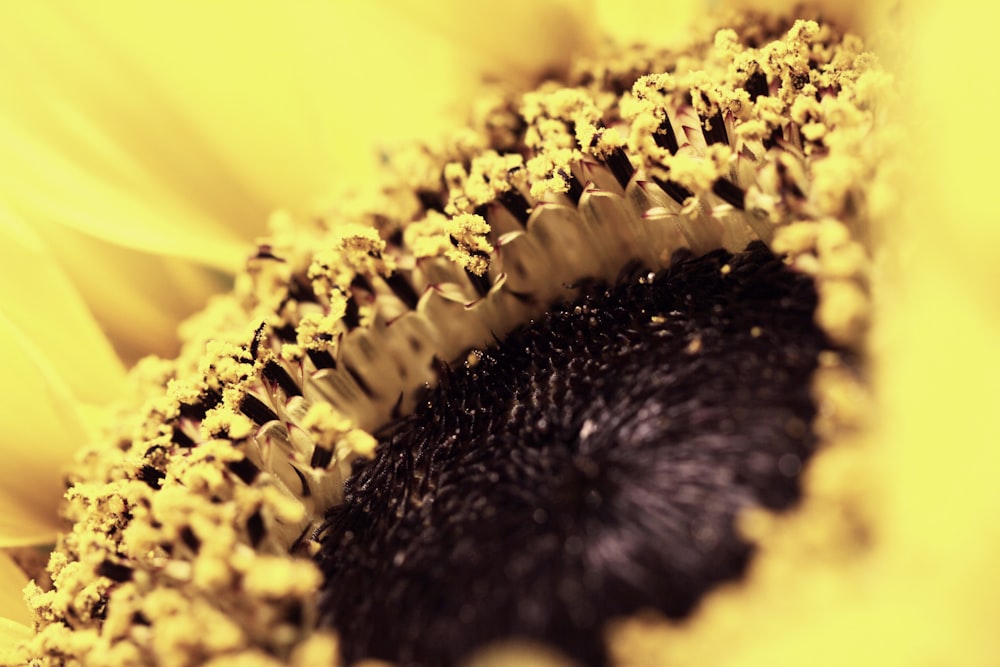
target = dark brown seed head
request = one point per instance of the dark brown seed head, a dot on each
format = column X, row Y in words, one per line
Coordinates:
column 590, row 467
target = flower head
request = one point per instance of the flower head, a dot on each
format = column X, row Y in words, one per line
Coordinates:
column 199, row 508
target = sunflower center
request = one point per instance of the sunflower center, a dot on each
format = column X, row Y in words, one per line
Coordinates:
column 591, row 466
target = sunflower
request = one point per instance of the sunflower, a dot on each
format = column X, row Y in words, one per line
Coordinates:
column 120, row 255
column 884, row 562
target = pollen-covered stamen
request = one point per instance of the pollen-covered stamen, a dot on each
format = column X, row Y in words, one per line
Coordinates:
column 591, row 466
column 257, row 410
column 665, row 138
column 620, row 166
column 714, row 129
column 681, row 158
column 729, row 193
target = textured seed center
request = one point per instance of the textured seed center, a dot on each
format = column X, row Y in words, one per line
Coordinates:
column 589, row 467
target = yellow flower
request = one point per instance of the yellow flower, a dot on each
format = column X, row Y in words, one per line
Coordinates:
column 135, row 173
column 921, row 591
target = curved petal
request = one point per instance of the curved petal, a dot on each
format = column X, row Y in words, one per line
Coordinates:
column 43, row 303
column 518, row 39
column 940, row 367
column 12, row 607
column 90, row 147
column 220, row 111
column 647, row 21
column 42, row 428
column 137, row 298
column 114, row 135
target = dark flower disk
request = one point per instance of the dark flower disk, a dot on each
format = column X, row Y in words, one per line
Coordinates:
column 589, row 467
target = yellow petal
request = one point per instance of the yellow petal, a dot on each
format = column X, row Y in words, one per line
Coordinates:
column 90, row 146
column 515, row 39
column 42, row 302
column 955, row 142
column 41, row 431
column 112, row 135
column 240, row 107
column 137, row 298
column 940, row 363
column 647, row 21
column 13, row 610
column 12, row 634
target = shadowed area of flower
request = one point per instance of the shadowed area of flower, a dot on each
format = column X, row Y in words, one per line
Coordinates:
column 590, row 467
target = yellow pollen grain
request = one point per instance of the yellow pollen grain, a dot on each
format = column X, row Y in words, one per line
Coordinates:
column 428, row 237
column 489, row 176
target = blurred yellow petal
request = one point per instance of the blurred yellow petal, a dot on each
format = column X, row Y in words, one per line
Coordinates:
column 647, row 21
column 956, row 224
column 42, row 429
column 13, row 610
column 113, row 135
column 940, row 365
column 84, row 147
column 138, row 298
column 42, row 301
column 266, row 104
column 518, row 39
column 12, row 636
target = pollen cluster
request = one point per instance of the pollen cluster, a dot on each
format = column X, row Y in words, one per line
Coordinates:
column 192, row 522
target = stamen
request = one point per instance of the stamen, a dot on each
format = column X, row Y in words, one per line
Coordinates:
column 255, row 343
column 352, row 315
column 403, row 289
column 257, row 410
column 190, row 540
column 480, row 282
column 620, row 166
column 321, row 457
column 277, row 374
column 515, row 202
column 575, row 190
column 730, row 193
column 255, row 529
column 180, row 438
column 715, row 129
column 114, row 571
column 152, row 476
column 677, row 192
column 321, row 359
column 757, row 85
column 665, row 137
column 244, row 469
